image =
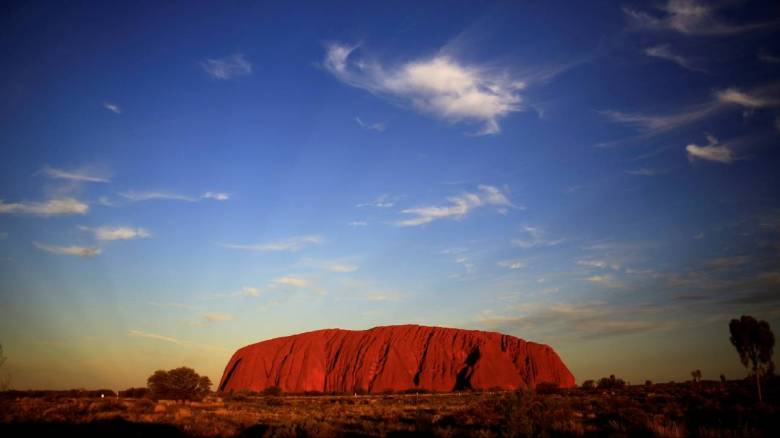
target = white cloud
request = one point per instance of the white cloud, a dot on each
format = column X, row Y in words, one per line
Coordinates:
column 52, row 207
column 358, row 224
column 750, row 101
column 440, row 85
column 118, row 233
column 377, row 126
column 382, row 201
column 689, row 17
column 217, row 196
column 79, row 251
column 291, row 244
column 114, row 108
column 155, row 196
column 140, row 334
column 458, row 207
column 711, row 152
column 227, row 67
column 291, row 281
column 81, row 175
column 535, row 238
column 664, row 52
column 3, row 236
column 512, row 264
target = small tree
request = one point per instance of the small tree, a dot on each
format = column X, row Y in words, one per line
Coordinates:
column 178, row 384
column 696, row 374
column 754, row 342
column 588, row 385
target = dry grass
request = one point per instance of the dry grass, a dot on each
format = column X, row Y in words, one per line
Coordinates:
column 708, row 409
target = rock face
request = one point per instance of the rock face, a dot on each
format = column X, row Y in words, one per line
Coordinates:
column 394, row 358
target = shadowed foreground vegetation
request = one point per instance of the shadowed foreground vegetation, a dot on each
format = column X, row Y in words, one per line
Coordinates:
column 702, row 408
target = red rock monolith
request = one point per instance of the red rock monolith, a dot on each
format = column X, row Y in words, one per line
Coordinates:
column 395, row 358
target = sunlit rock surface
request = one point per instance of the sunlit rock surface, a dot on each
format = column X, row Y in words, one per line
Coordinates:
column 394, row 358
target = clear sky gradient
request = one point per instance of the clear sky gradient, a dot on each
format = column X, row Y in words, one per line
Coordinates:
column 180, row 179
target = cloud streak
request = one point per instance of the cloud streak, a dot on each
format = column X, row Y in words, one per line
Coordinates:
column 458, row 206
column 377, row 126
column 440, row 85
column 711, row 152
column 535, row 238
column 688, row 17
column 140, row 334
column 227, row 67
column 80, row 175
column 664, row 52
column 114, row 108
column 290, row 244
column 52, row 207
column 107, row 233
column 77, row 251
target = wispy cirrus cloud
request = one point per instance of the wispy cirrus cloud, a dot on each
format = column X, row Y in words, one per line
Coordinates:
column 512, row 264
column 747, row 100
column 52, row 207
column 382, row 201
column 376, row 126
column 77, row 251
column 713, row 151
column 155, row 196
column 357, row 223
column 228, row 67
column 140, row 334
column 209, row 318
column 117, row 233
column 290, row 244
column 113, row 107
column 458, row 206
column 643, row 171
column 651, row 125
column 665, row 52
column 250, row 291
column 689, row 17
column 172, row 340
column 79, row 175
column 600, row 264
column 535, row 237
column 578, row 321
column 217, row 196
column 606, row 280
column 439, row 85
column 291, row 281
column 162, row 195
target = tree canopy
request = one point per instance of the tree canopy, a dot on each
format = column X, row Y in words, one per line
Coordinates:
column 754, row 342
column 178, row 384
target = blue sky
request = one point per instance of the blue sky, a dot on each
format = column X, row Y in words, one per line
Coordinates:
column 184, row 179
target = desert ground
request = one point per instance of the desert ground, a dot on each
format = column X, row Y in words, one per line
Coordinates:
column 706, row 409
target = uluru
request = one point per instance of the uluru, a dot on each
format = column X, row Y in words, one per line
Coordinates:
column 394, row 358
